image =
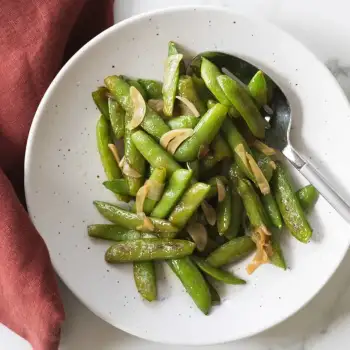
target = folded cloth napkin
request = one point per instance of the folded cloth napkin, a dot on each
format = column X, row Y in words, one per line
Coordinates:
column 36, row 37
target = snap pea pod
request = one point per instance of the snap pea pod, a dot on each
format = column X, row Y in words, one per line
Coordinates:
column 134, row 222
column 193, row 281
column 210, row 73
column 211, row 103
column 145, row 276
column 112, row 232
column 241, row 100
column 149, row 249
column 117, row 118
column 235, row 173
column 194, row 166
column 138, row 86
column 264, row 163
column 218, row 274
column 119, row 186
column 215, row 297
column 172, row 50
column 100, row 98
column 272, row 210
column 158, row 175
column 153, row 88
column 188, row 204
column 234, row 138
column 157, row 156
column 183, row 122
column 220, row 150
column 202, row 90
column 252, row 204
column 171, row 78
column 176, row 187
column 145, row 279
column 204, row 133
column 187, row 90
column 289, row 206
column 231, row 251
column 109, row 164
column 224, row 211
column 236, row 213
column 134, row 158
column 214, row 187
column 257, row 88
column 152, row 122
column 277, row 257
column 307, row 197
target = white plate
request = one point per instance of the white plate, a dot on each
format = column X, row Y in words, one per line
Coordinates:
column 64, row 175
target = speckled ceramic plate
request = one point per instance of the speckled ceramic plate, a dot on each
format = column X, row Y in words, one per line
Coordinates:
column 64, row 175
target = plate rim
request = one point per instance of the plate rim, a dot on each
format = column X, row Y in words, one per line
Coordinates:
column 39, row 114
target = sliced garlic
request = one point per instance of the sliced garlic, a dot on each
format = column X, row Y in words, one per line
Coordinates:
column 191, row 107
column 263, row 148
column 199, row 235
column 155, row 189
column 139, row 108
column 209, row 213
column 221, row 190
column 129, row 171
column 178, row 140
column 258, row 174
column 141, row 195
column 114, row 151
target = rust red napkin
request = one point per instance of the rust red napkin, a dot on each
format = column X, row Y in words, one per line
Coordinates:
column 36, row 37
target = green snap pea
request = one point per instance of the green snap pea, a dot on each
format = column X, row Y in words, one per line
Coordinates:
column 157, row 156
column 158, row 175
column 218, row 274
column 289, row 206
column 132, row 221
column 183, row 122
column 257, row 88
column 112, row 232
column 145, row 279
column 204, row 133
column 117, row 118
column 210, row 73
column 241, row 100
column 176, row 187
column 231, row 251
column 187, row 90
column 134, row 158
column 215, row 297
column 194, row 166
column 100, row 98
column 272, row 210
column 109, row 164
column 214, row 187
column 234, row 138
column 152, row 122
column 149, row 249
column 188, row 204
column 211, row 103
column 170, row 81
column 236, row 214
column 252, row 204
column 202, row 90
column 307, row 197
column 264, row 163
column 172, row 50
column 220, row 150
column 193, row 281
column 138, row 86
column 277, row 257
column 224, row 211
column 119, row 186
column 153, row 88
column 235, row 172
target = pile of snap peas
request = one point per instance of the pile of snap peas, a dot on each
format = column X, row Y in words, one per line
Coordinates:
column 202, row 188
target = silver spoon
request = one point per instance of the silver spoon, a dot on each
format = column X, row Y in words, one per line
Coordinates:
column 278, row 136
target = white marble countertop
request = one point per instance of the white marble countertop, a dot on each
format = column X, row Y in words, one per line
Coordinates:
column 323, row 26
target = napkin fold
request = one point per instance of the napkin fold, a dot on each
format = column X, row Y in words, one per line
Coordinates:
column 36, row 38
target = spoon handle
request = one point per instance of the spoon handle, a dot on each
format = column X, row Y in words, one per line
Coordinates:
column 326, row 190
